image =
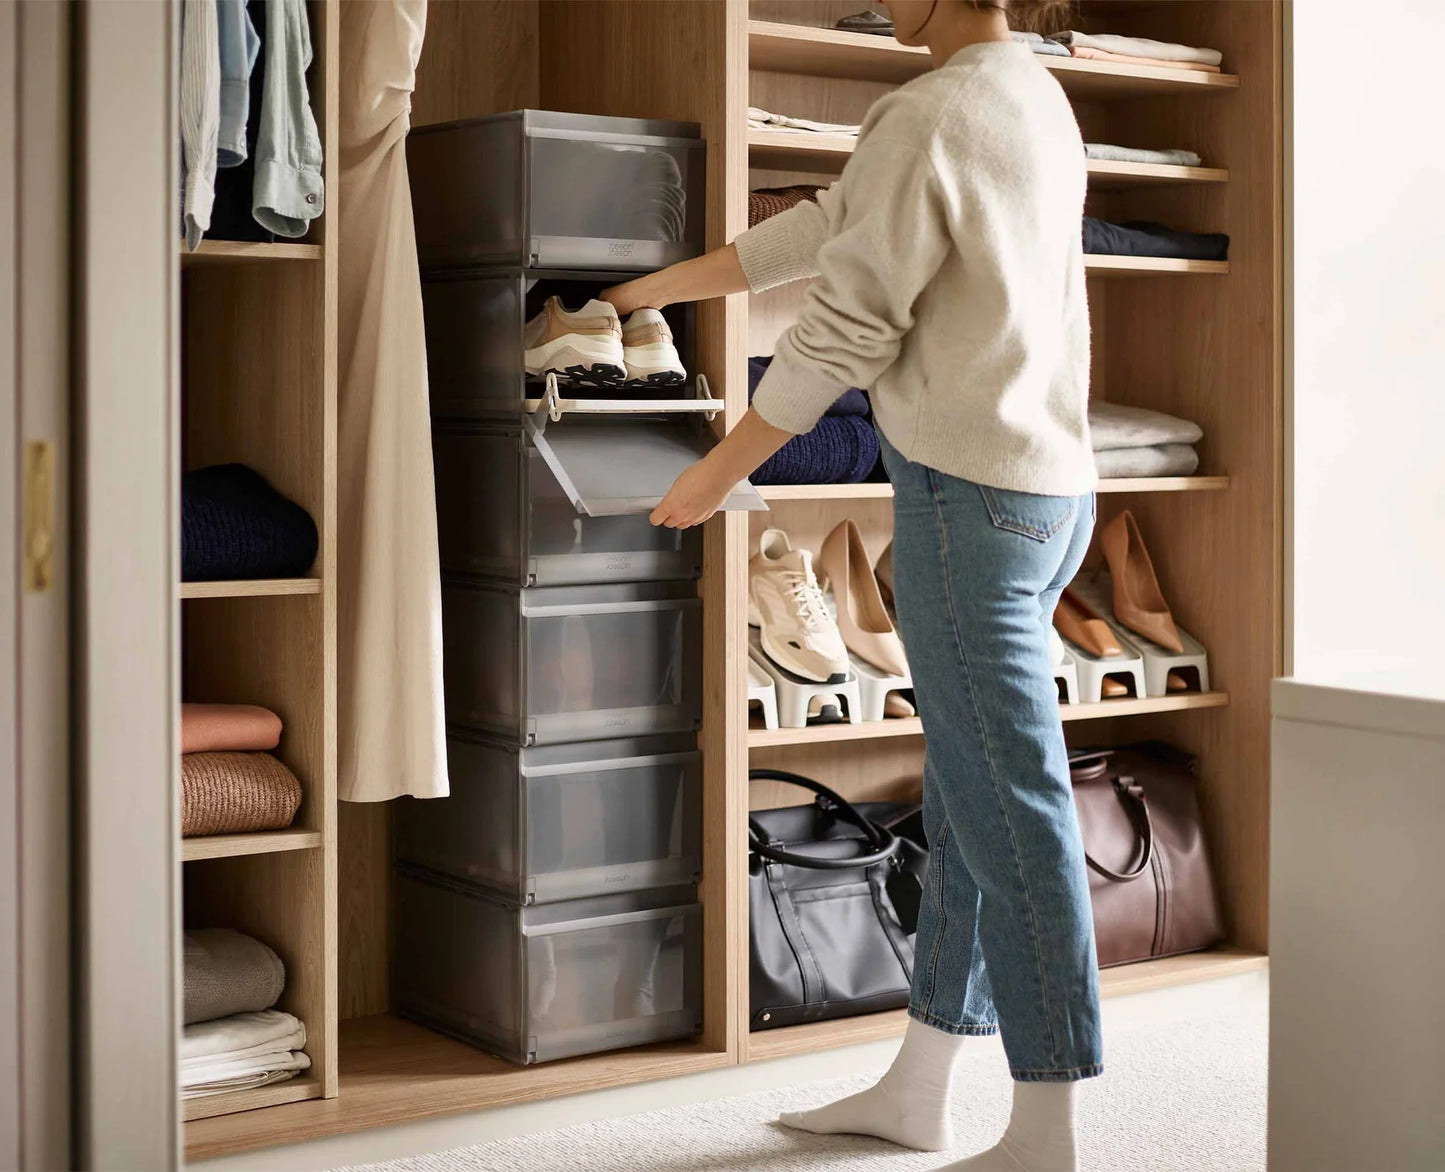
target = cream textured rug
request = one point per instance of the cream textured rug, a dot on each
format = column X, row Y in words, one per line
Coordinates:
column 1178, row 1096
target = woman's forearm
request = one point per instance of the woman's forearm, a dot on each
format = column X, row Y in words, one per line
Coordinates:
column 712, row 275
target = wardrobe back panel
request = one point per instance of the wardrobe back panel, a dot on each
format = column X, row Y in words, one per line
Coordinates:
column 885, row 770
column 478, row 57
column 1207, row 348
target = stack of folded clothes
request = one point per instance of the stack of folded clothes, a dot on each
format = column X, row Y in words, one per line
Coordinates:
column 879, row 25
column 759, row 119
column 1139, row 51
column 233, row 1038
column 1134, row 441
column 230, row 784
column 769, row 201
column 235, row 525
column 1146, row 238
column 841, row 449
column 1122, row 154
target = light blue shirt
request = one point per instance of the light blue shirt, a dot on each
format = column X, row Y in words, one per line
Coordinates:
column 287, row 194
column 239, row 46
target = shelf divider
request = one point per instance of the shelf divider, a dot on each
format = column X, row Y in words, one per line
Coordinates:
column 251, row 588
column 912, row 726
column 263, row 842
column 826, row 52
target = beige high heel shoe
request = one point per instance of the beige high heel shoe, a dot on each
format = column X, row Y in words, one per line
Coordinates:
column 1084, row 627
column 1138, row 602
column 883, row 571
column 862, row 618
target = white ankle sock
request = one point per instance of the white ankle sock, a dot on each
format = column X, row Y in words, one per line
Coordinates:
column 1040, row 1135
column 909, row 1105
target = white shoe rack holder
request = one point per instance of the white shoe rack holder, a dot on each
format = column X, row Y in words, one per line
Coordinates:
column 794, row 693
column 762, row 690
column 1098, row 592
column 874, row 686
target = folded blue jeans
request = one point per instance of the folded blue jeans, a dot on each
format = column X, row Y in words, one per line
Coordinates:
column 1005, row 933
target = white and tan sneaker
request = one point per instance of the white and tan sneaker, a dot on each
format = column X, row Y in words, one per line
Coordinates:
column 581, row 347
column 649, row 352
column 785, row 601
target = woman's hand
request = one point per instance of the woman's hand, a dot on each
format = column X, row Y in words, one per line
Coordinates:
column 695, row 496
column 632, row 295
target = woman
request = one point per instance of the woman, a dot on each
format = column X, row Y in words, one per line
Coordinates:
column 950, row 281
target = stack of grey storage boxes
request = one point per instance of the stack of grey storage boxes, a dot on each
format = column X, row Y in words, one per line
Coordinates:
column 548, row 907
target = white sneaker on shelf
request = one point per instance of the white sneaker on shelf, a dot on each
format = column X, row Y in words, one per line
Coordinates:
column 648, row 350
column 785, row 601
column 583, row 347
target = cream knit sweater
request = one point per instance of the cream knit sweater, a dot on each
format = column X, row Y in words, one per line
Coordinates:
column 950, row 278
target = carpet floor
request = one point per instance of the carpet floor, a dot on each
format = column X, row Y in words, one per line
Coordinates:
column 1180, row 1096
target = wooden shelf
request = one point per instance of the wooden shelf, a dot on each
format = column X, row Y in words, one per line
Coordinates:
column 802, row 150
column 1113, row 982
column 821, row 52
column 251, row 588
column 393, row 1072
column 1108, row 175
column 293, row 1090
column 233, row 252
column 1164, row 484
column 264, row 842
column 855, row 492
column 824, row 492
column 826, row 734
column 1096, row 265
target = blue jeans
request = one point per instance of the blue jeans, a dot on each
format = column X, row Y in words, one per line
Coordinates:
column 1005, row 932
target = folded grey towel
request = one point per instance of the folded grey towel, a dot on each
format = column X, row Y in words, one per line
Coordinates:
column 1122, row 154
column 226, row 972
column 1159, row 460
column 1113, row 425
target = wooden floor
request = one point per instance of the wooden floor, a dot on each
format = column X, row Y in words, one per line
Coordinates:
column 395, row 1072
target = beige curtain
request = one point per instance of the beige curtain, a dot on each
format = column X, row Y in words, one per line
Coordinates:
column 392, row 737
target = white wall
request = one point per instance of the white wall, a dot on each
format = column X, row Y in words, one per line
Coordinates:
column 1369, row 330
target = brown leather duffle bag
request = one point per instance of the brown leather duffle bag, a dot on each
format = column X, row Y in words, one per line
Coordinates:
column 1149, row 874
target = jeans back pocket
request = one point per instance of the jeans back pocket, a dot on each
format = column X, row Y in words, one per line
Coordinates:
column 1028, row 514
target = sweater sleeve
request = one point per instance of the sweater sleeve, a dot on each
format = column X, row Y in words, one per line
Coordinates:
column 890, row 232
column 785, row 247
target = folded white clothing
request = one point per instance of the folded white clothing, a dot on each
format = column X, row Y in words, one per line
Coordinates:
column 1113, row 426
column 271, row 1028
column 295, row 1040
column 1122, row 154
column 759, row 119
column 245, row 1082
column 1139, row 47
column 203, row 1074
column 1159, row 460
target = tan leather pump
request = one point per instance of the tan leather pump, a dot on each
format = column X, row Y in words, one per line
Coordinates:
column 1138, row 602
column 1083, row 626
column 862, row 618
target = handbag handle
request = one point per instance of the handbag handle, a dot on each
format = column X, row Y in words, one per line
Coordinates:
column 1127, row 788
column 883, row 841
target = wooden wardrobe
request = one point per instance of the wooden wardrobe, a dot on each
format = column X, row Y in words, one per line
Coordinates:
column 1197, row 339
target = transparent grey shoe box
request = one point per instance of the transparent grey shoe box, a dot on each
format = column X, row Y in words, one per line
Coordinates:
column 547, row 981
column 552, row 664
column 535, row 188
column 503, row 515
column 561, row 822
column 476, row 359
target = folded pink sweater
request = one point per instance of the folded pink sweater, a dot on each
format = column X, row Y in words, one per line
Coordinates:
column 209, row 728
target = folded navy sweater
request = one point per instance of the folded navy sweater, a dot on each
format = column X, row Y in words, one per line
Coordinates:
column 1145, row 238
column 841, row 449
column 235, row 525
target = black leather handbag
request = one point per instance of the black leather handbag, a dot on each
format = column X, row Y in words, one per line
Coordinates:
column 833, row 898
